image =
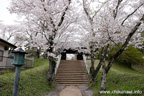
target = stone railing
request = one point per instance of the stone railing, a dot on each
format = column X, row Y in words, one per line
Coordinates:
column 86, row 64
column 58, row 62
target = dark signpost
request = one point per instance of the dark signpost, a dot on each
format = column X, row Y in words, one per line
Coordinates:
column 19, row 56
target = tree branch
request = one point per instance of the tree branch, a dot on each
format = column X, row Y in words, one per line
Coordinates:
column 116, row 10
column 88, row 15
column 98, row 10
column 131, row 14
column 63, row 14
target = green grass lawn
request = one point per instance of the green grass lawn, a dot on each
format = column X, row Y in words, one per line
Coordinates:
column 120, row 78
column 32, row 81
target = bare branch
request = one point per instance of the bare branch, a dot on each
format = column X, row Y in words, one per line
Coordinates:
column 63, row 14
column 116, row 10
column 131, row 14
column 86, row 11
column 10, row 36
column 99, row 9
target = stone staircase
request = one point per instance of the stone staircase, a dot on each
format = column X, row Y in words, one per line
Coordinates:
column 71, row 72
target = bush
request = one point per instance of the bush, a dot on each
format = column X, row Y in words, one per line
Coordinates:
column 130, row 56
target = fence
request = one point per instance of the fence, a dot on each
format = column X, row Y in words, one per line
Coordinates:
column 6, row 62
column 29, row 62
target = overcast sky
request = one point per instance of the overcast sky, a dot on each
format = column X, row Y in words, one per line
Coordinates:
column 5, row 16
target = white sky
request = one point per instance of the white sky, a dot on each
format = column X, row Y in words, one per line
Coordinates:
column 5, row 15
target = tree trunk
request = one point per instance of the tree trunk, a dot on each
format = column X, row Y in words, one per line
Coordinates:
column 92, row 60
column 92, row 63
column 103, row 80
column 104, row 74
column 103, row 55
column 94, row 76
column 38, row 53
column 52, row 65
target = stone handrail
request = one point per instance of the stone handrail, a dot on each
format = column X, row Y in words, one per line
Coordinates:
column 58, row 62
column 86, row 64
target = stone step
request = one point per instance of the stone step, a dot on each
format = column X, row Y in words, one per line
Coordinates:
column 60, row 67
column 69, row 78
column 80, row 64
column 74, row 80
column 77, row 69
column 71, row 67
column 73, row 76
column 70, row 71
column 72, row 83
column 70, row 74
column 71, row 63
column 77, row 84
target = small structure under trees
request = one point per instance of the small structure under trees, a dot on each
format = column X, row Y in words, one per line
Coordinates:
column 6, row 57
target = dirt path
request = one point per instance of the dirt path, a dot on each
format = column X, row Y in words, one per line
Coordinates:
column 82, row 90
column 71, row 91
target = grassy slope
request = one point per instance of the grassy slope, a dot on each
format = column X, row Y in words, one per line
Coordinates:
column 32, row 81
column 121, row 78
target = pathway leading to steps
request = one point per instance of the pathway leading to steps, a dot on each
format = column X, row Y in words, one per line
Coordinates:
column 81, row 90
column 70, row 91
column 71, row 79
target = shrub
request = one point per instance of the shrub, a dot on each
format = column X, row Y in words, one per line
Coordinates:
column 130, row 56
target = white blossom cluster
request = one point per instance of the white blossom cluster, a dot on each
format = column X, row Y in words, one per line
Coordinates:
column 90, row 22
column 103, row 28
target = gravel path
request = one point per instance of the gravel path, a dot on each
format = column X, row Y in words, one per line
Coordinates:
column 82, row 90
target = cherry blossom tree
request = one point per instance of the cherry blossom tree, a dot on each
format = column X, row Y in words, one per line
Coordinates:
column 45, row 20
column 91, row 15
column 114, row 24
column 7, row 31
